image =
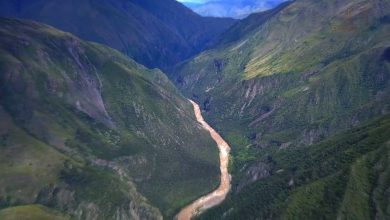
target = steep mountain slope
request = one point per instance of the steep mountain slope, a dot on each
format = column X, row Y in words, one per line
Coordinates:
column 154, row 33
column 243, row 28
column 289, row 82
column 88, row 133
column 344, row 177
column 298, row 77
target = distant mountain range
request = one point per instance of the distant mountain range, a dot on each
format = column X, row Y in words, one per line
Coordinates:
column 154, row 33
column 232, row 8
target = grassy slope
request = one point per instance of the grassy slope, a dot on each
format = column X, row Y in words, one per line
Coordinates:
column 268, row 70
column 89, row 107
column 30, row 212
column 293, row 80
column 344, row 176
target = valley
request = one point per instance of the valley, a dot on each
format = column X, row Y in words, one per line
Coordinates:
column 217, row 196
column 287, row 82
column 157, row 34
column 145, row 110
column 86, row 131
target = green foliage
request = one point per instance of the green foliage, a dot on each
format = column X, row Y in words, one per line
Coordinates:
column 356, row 202
column 101, row 186
column 340, row 177
column 31, row 212
column 127, row 133
column 291, row 79
column 316, row 200
column 288, row 80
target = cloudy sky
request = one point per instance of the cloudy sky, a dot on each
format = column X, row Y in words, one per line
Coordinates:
column 230, row 8
column 195, row 1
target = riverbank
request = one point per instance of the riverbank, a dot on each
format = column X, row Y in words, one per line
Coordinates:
column 217, row 196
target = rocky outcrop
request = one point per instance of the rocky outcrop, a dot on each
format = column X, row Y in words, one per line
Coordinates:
column 253, row 174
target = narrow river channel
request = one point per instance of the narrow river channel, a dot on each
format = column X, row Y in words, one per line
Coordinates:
column 217, row 196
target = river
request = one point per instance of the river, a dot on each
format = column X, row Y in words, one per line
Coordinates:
column 217, row 196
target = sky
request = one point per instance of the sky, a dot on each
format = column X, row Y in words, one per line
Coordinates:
column 195, row 1
column 230, row 8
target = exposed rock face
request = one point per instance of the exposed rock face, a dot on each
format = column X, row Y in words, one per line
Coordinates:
column 292, row 79
column 139, row 207
column 110, row 135
column 252, row 174
column 85, row 88
column 275, row 78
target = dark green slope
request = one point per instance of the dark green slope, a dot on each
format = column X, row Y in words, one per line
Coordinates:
column 156, row 33
column 196, row 30
column 346, row 176
column 89, row 133
column 292, row 81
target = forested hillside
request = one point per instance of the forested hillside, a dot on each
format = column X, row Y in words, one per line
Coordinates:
column 282, row 82
column 89, row 133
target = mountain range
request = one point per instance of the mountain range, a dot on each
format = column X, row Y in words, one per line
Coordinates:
column 90, row 128
column 153, row 33
column 88, row 132
column 232, row 8
column 284, row 85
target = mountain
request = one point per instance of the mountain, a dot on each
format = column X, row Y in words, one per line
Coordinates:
column 154, row 33
column 243, row 28
column 87, row 133
column 301, row 93
column 286, row 84
column 232, row 8
column 343, row 177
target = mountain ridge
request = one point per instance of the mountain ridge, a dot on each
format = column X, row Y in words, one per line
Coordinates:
column 303, row 101
column 232, row 8
column 132, row 27
column 291, row 81
column 89, row 133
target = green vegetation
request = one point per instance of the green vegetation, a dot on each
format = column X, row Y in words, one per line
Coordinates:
column 303, row 100
column 30, row 212
column 286, row 80
column 292, row 92
column 340, row 177
column 356, row 203
column 90, row 133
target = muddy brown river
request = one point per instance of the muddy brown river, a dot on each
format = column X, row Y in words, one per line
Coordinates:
column 217, row 196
